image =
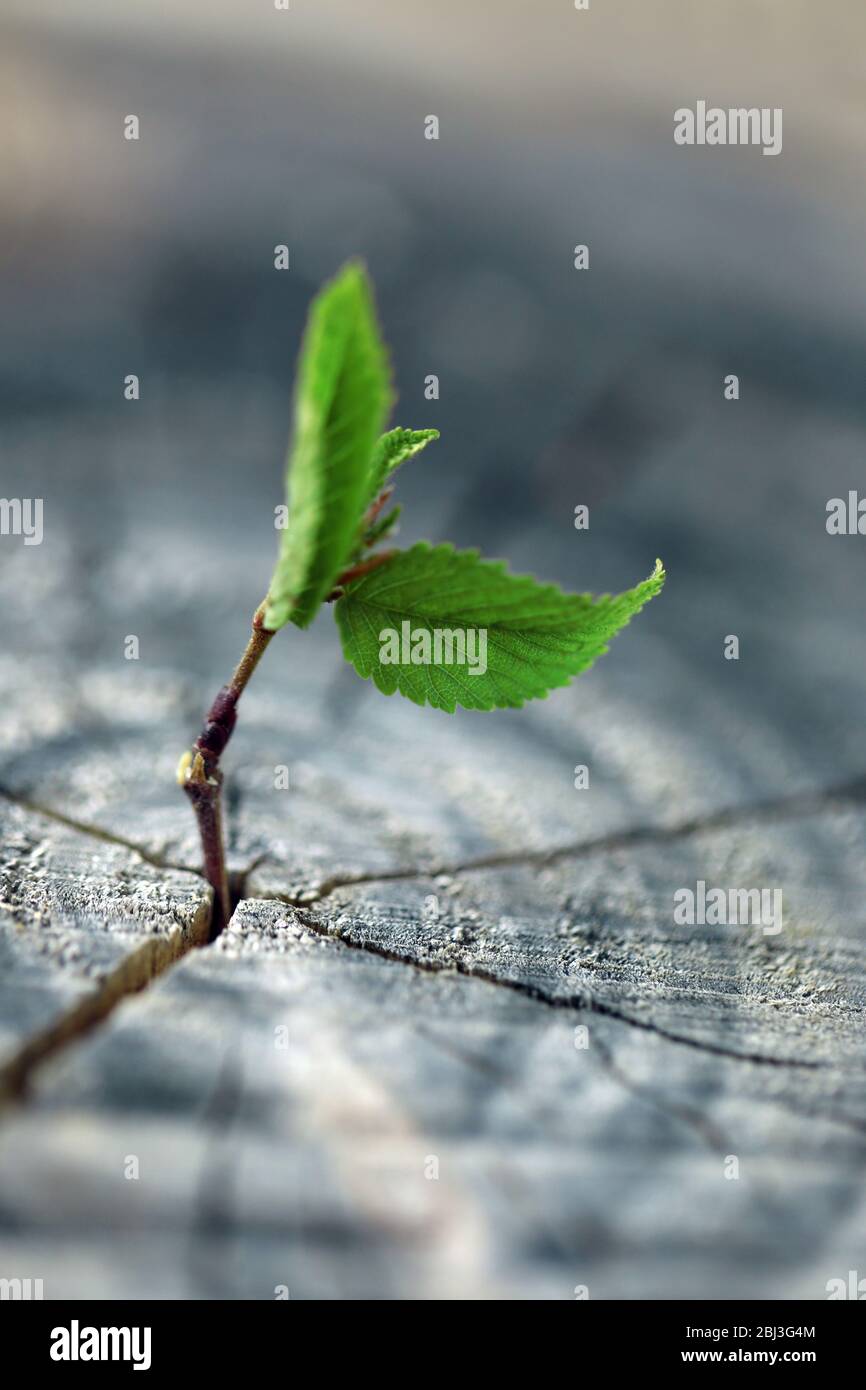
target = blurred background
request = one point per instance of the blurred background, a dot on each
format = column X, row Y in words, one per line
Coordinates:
column 306, row 127
column 261, row 127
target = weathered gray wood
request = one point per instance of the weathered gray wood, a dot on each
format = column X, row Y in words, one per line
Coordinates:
column 309, row 1165
column 558, row 1166
column 598, row 926
column 431, row 1007
column 82, row 922
column 432, row 910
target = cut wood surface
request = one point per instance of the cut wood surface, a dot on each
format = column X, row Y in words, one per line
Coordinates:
column 83, row 921
column 453, row 1041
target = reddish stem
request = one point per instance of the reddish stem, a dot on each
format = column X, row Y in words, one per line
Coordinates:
column 375, row 508
column 199, row 770
column 357, row 572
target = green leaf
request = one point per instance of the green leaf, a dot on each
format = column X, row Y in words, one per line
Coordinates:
column 342, row 399
column 381, row 527
column 391, row 450
column 537, row 637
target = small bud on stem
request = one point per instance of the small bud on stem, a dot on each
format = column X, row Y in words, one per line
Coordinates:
column 198, row 771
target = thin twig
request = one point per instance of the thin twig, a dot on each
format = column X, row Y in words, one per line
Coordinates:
column 357, row 572
column 199, row 772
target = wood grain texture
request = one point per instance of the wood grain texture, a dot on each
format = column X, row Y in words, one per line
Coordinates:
column 431, row 911
column 82, row 922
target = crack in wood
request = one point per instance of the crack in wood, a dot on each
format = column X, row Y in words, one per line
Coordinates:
column 96, row 832
column 153, row 958
column 584, row 1002
column 692, row 1118
column 135, row 973
column 772, row 811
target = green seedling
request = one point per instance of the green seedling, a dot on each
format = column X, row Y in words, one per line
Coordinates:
column 440, row 626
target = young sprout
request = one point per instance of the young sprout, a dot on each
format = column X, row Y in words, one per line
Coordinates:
column 441, row 626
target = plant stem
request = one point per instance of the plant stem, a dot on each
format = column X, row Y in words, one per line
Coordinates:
column 199, row 771
column 255, row 650
column 204, row 790
column 357, row 572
